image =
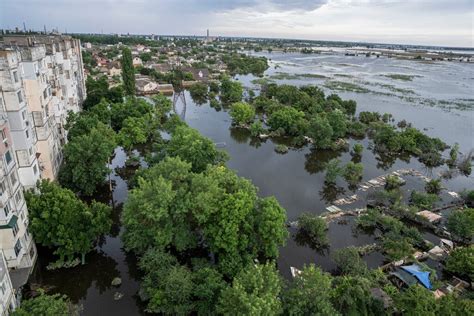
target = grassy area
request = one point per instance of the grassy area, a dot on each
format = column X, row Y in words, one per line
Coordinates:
column 402, row 77
column 287, row 76
column 345, row 86
column 262, row 81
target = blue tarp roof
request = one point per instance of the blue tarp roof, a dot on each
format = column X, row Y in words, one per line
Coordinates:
column 422, row 276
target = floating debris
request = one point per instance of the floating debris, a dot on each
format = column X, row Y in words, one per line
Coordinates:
column 117, row 296
column 295, row 272
column 116, row 281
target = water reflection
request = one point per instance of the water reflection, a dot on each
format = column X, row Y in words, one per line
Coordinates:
column 317, row 159
column 331, row 192
column 98, row 272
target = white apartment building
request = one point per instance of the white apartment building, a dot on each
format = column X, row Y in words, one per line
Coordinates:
column 53, row 81
column 7, row 293
column 13, row 102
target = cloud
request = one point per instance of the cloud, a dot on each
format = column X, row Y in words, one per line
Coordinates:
column 438, row 22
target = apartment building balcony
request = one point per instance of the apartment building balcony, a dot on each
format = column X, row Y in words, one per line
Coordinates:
column 20, row 274
column 39, row 119
column 10, row 79
column 33, row 53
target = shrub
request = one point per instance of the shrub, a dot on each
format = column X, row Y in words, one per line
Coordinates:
column 313, row 230
column 353, row 172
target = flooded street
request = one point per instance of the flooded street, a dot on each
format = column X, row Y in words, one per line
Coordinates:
column 441, row 104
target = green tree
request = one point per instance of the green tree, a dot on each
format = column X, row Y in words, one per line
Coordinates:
column 423, row 200
column 461, row 223
column 453, row 155
column 351, row 296
column 349, row 262
column 85, row 160
column 433, row 186
column 174, row 297
column 416, row 300
column 288, row 119
column 309, row 293
column 231, row 91
column 59, row 220
column 128, row 73
column 145, row 57
column 460, row 261
column 254, row 291
column 312, row 230
column 188, row 144
column 353, row 172
column 357, row 150
column 393, row 182
column 209, row 284
column 199, row 92
column 46, row 305
column 333, row 170
column 337, row 120
column 174, row 208
column 242, row 113
column 134, row 131
column 256, row 128
column 321, row 132
column 454, row 306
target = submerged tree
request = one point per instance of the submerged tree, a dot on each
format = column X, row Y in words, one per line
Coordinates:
column 188, row 144
column 85, row 160
column 309, row 293
column 242, row 113
column 174, row 208
column 44, row 304
column 59, row 220
column 254, row 291
column 312, row 230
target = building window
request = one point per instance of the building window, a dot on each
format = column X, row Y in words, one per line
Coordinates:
column 18, row 197
column 35, row 169
column 32, row 252
column 15, row 76
column 8, row 157
column 45, row 94
column 3, row 288
column 27, row 134
column 20, row 97
column 23, row 115
column 3, row 134
column 17, row 247
column 13, row 179
column 6, row 209
column 15, row 230
column 2, row 188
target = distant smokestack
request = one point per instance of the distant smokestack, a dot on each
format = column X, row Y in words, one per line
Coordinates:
column 208, row 33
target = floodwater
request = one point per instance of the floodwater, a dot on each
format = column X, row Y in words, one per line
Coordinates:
column 296, row 179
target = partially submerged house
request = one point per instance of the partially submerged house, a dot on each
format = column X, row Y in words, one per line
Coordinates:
column 406, row 276
column 145, row 86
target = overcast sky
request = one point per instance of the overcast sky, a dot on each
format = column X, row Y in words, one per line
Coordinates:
column 431, row 22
